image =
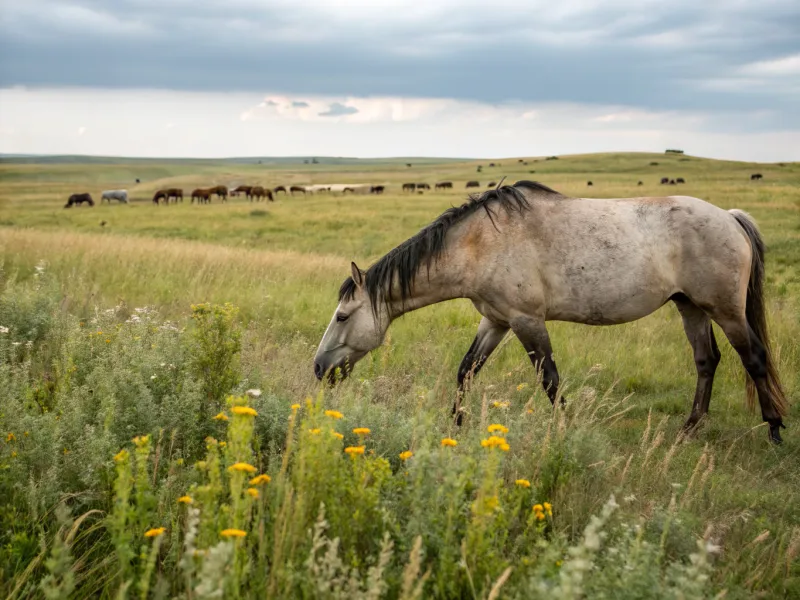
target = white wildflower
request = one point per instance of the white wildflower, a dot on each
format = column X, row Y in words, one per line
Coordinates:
column 152, row 376
column 3, row 329
column 254, row 393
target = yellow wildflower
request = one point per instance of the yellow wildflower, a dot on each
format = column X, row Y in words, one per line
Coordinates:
column 338, row 435
column 13, row 454
column 10, row 438
column 245, row 411
column 108, row 341
column 559, row 563
column 537, row 508
column 233, row 533
column 499, row 404
column 494, row 441
column 495, row 427
column 242, row 468
column 295, row 407
column 185, row 500
column 315, row 431
column 141, row 440
column 361, row 431
column 259, row 479
column 523, row 483
column 200, row 464
column 548, row 508
column 504, row 447
column 354, row 451
column 26, row 434
column 406, row 455
column 223, row 444
column 333, row 414
column 449, row 442
column 521, row 386
column 154, row 532
column 253, row 492
column 540, row 516
column 179, row 462
column 221, row 417
column 121, row 455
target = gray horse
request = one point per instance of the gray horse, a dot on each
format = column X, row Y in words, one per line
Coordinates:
column 119, row 195
column 525, row 254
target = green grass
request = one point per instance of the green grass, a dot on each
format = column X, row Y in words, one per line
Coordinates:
column 629, row 387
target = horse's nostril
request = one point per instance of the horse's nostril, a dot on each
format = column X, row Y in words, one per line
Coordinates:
column 318, row 370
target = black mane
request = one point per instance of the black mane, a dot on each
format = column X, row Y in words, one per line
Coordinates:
column 427, row 246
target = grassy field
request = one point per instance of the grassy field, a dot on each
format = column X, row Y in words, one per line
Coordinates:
column 449, row 517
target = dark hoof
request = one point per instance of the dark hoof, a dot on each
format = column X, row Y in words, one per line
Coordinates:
column 775, row 433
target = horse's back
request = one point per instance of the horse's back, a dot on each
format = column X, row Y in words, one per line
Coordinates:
column 604, row 261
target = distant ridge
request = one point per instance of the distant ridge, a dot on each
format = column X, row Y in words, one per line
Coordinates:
column 264, row 160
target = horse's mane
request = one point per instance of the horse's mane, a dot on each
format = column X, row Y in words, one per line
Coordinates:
column 427, row 246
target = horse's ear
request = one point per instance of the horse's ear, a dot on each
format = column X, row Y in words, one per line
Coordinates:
column 358, row 274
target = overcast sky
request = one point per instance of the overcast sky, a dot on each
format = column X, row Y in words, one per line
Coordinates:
column 391, row 78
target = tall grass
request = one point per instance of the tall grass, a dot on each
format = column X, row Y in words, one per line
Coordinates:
column 127, row 348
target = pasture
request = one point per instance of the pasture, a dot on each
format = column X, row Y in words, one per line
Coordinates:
column 118, row 328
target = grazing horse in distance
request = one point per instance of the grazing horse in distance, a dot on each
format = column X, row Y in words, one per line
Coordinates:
column 221, row 191
column 258, row 193
column 245, row 189
column 512, row 251
column 280, row 188
column 492, row 184
column 202, row 196
column 640, row 183
column 444, row 185
column 756, row 176
column 119, row 195
column 377, row 189
column 174, row 194
column 297, row 188
column 664, row 180
column 589, row 183
column 160, row 195
column 409, row 187
column 680, row 180
column 423, row 186
column 472, row 184
column 79, row 199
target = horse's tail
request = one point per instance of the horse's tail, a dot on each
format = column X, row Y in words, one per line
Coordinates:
column 756, row 314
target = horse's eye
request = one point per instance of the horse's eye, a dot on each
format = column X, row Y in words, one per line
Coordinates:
column 342, row 318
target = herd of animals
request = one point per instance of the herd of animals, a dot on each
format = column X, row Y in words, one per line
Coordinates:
column 259, row 193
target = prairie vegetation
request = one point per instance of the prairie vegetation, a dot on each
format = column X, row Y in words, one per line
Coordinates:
column 129, row 353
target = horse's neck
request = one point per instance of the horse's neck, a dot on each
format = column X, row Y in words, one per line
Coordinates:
column 446, row 280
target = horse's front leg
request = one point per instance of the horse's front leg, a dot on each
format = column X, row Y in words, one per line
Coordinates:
column 536, row 341
column 488, row 337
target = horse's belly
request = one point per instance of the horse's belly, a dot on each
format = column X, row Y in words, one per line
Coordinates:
column 608, row 310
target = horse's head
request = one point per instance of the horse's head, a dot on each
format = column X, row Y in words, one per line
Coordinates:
column 355, row 329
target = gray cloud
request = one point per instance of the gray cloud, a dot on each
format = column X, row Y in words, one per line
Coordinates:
column 679, row 55
column 338, row 110
column 299, row 104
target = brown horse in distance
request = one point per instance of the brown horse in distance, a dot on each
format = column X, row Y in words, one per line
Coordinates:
column 174, row 194
column 444, row 185
column 202, row 196
column 297, row 188
column 160, row 195
column 280, row 188
column 79, row 199
column 245, row 189
column 221, row 191
column 258, row 193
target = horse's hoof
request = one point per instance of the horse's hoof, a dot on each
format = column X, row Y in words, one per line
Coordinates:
column 775, row 433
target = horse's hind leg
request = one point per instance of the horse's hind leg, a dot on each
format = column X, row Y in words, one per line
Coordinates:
column 697, row 325
column 486, row 340
column 536, row 341
column 753, row 354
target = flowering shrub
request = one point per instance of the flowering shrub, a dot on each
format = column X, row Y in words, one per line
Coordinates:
column 132, row 462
